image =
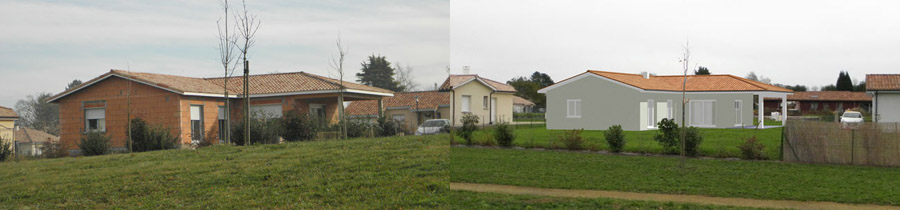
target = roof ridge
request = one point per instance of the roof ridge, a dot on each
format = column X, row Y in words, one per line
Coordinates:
column 253, row 75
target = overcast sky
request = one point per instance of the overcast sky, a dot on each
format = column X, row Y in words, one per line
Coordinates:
column 46, row 44
column 791, row 42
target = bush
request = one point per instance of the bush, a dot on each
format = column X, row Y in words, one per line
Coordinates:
column 387, row 127
column 667, row 136
column 262, row 131
column 470, row 125
column 52, row 149
column 615, row 137
column 94, row 143
column 300, row 126
column 5, row 150
column 572, row 139
column 504, row 134
column 752, row 150
column 484, row 139
column 150, row 137
column 693, row 139
column 357, row 129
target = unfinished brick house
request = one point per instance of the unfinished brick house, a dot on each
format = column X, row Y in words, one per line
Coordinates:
column 193, row 108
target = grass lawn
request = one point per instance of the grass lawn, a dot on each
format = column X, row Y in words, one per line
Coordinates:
column 767, row 122
column 716, row 142
column 721, row 178
column 386, row 173
column 474, row 200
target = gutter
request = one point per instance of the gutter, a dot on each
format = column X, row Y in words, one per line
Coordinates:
column 453, row 107
column 491, row 107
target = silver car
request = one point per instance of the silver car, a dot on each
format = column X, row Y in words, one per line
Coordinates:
column 433, row 127
column 851, row 119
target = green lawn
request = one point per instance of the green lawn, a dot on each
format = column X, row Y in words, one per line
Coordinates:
column 473, row 200
column 386, row 173
column 716, row 142
column 722, row 178
column 767, row 122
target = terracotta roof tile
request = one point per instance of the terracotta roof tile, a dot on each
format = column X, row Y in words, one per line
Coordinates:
column 827, row 96
column 24, row 134
column 882, row 82
column 428, row 100
column 7, row 112
column 454, row 81
column 520, row 100
column 695, row 83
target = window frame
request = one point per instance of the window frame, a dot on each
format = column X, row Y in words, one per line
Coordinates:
column 712, row 106
column 651, row 113
column 573, row 108
column 101, row 122
column 466, row 104
column 198, row 136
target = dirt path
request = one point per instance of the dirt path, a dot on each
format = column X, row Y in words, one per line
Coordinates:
column 697, row 199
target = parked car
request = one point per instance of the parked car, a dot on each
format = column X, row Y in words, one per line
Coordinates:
column 433, row 127
column 851, row 119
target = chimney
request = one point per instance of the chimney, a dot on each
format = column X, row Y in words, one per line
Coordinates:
column 646, row 75
column 465, row 69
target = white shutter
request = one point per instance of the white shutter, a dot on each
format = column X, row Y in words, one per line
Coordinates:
column 195, row 113
column 221, row 113
column 671, row 111
column 271, row 110
column 708, row 113
column 95, row 114
column 466, row 103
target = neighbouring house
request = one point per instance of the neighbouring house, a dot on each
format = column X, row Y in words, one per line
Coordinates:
column 8, row 119
column 490, row 100
column 30, row 142
column 409, row 108
column 812, row 102
column 521, row 105
column 596, row 100
column 193, row 108
column 885, row 91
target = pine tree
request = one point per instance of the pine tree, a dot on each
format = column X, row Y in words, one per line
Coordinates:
column 378, row 72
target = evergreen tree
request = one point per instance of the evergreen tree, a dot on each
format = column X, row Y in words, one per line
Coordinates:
column 378, row 72
column 844, row 83
column 701, row 71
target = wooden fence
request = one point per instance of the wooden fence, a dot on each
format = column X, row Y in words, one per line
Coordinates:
column 875, row 144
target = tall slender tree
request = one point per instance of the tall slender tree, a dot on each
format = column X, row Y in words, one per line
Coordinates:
column 247, row 26
column 844, row 83
column 227, row 45
column 337, row 64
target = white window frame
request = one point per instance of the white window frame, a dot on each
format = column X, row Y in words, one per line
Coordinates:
column 671, row 109
column 573, row 108
column 485, row 102
column 101, row 122
column 738, row 106
column 199, row 118
column 651, row 113
column 713, row 111
column 268, row 110
column 466, row 102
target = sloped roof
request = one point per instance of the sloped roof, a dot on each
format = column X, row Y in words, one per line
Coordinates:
column 259, row 84
column 428, row 100
column 8, row 113
column 522, row 101
column 695, row 83
column 454, row 81
column 882, row 82
column 827, row 96
column 24, row 134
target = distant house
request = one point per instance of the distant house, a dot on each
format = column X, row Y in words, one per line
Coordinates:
column 471, row 94
column 521, row 105
column 821, row 101
column 193, row 108
column 30, row 142
column 885, row 90
column 596, row 100
column 410, row 108
column 8, row 119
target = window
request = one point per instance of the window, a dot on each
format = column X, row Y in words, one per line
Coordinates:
column 466, row 103
column 485, row 102
column 738, row 104
column 573, row 108
column 669, row 106
column 399, row 117
column 702, row 113
column 318, row 111
column 222, row 125
column 95, row 119
column 196, row 123
column 266, row 111
column 814, row 106
column 651, row 114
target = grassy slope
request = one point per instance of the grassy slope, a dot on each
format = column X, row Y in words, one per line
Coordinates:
column 390, row 173
column 472, row 200
column 745, row 179
column 716, row 142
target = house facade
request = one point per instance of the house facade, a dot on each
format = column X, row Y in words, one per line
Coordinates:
column 812, row 102
column 8, row 119
column 30, row 142
column 521, row 105
column 193, row 108
column 596, row 100
column 409, row 108
column 885, row 91
column 490, row 100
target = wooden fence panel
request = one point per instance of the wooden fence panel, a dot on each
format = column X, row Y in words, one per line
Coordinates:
column 876, row 144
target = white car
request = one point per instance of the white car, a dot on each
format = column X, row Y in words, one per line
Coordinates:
column 851, row 119
column 433, row 127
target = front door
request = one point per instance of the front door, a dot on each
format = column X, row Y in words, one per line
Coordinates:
column 493, row 110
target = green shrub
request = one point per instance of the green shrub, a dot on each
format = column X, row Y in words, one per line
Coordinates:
column 693, row 139
column 470, row 125
column 572, row 140
column 299, row 126
column 53, row 149
column 94, row 143
column 752, row 150
column 357, row 129
column 667, row 136
column 387, row 127
column 5, row 150
column 615, row 137
column 150, row 137
column 504, row 134
column 262, row 131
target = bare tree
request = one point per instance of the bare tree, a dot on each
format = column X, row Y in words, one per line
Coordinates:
column 405, row 77
column 685, row 61
column 227, row 44
column 35, row 112
column 337, row 64
column 247, row 26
